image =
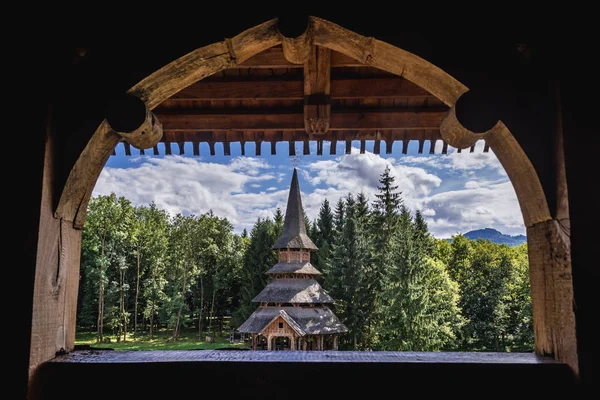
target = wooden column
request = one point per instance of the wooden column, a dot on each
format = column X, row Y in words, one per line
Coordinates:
column 335, row 342
column 562, row 194
column 317, row 84
column 552, row 292
column 292, row 343
column 269, row 342
column 56, row 276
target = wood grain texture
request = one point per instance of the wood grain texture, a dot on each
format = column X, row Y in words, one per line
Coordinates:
column 317, row 88
column 153, row 90
column 56, row 278
column 274, row 58
column 552, row 292
column 298, row 135
column 297, row 50
column 408, row 119
column 147, row 135
column 389, row 58
column 204, row 62
column 286, row 89
column 517, row 165
column 82, row 178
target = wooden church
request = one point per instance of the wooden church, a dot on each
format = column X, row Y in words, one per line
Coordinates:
column 293, row 312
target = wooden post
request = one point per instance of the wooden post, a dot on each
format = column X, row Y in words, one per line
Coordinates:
column 269, row 342
column 335, row 342
column 317, row 84
column 562, row 194
column 56, row 274
column 292, row 343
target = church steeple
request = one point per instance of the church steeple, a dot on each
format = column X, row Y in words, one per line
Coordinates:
column 293, row 312
column 294, row 230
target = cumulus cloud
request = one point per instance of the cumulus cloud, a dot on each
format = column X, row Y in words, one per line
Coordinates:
column 355, row 172
column 482, row 201
column 465, row 162
column 194, row 186
column 190, row 186
column 490, row 205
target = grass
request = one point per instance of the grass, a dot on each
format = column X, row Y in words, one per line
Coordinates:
column 161, row 340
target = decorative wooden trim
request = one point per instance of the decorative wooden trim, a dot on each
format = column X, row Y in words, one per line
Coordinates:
column 153, row 90
column 132, row 119
column 204, row 62
column 317, row 89
column 517, row 165
column 549, row 249
column 389, row 58
column 372, row 120
column 297, row 50
column 285, row 89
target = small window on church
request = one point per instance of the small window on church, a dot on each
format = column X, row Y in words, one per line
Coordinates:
column 281, row 325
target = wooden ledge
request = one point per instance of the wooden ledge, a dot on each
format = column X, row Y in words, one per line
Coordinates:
column 239, row 374
column 234, row 356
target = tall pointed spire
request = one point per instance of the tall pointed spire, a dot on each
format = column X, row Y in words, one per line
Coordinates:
column 294, row 230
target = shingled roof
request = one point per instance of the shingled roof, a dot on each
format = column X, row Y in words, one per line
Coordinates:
column 293, row 291
column 294, row 230
column 312, row 321
column 294, row 267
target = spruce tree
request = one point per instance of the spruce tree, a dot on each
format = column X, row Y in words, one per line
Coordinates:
column 333, row 268
column 258, row 259
column 323, row 235
column 384, row 229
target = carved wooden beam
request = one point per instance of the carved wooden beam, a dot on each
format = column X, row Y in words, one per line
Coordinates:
column 317, row 87
column 273, row 58
column 296, row 49
column 286, row 89
column 133, row 121
column 356, row 120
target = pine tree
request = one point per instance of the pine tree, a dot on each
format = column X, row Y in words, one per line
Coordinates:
column 367, row 283
column 421, row 235
column 277, row 225
column 325, row 222
column 384, row 229
column 258, row 259
column 333, row 268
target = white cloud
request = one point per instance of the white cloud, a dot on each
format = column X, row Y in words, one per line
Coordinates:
column 465, row 162
column 190, row 186
column 355, row 172
column 193, row 186
column 489, row 205
column 482, row 201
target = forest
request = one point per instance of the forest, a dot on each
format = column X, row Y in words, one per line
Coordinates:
column 395, row 286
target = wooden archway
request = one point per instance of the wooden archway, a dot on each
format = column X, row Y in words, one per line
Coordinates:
column 549, row 248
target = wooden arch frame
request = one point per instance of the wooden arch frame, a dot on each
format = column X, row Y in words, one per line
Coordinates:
column 549, row 247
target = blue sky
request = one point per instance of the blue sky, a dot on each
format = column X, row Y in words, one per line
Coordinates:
column 456, row 193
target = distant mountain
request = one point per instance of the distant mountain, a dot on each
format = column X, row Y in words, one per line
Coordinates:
column 495, row 236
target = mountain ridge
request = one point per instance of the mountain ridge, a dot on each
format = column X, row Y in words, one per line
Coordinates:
column 494, row 236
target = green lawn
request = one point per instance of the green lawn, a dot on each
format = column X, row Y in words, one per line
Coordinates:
column 161, row 341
